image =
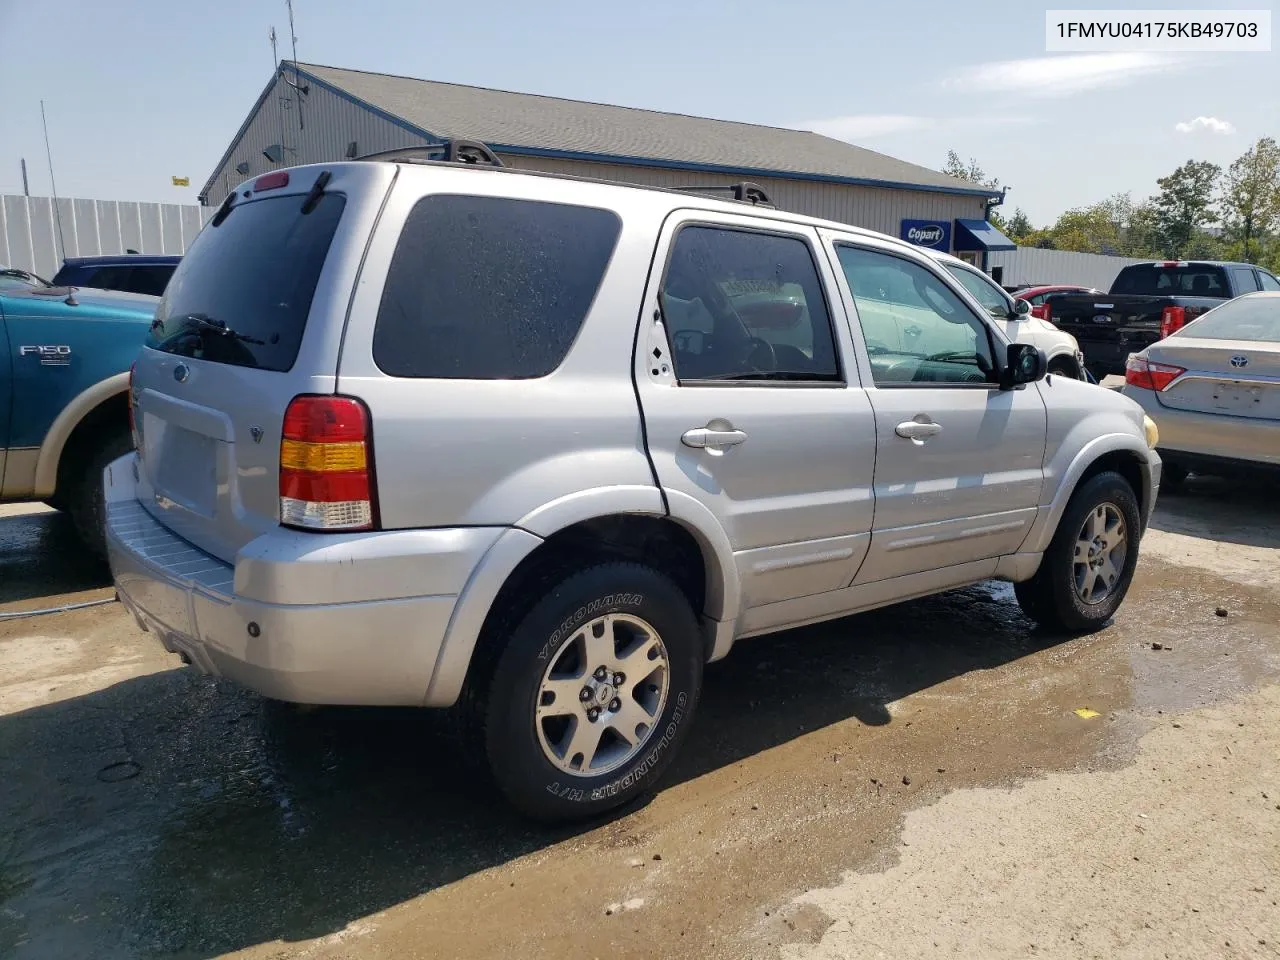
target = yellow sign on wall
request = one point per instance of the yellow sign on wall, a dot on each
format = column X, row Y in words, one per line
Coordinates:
column 182, row 181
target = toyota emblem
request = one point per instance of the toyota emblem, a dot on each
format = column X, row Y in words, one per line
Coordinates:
column 1239, row 361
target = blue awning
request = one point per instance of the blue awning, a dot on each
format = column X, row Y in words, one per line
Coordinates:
column 981, row 235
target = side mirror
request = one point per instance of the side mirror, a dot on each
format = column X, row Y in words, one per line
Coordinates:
column 1021, row 309
column 1023, row 364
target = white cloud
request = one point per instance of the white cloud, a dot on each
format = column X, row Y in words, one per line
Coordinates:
column 1060, row 76
column 1211, row 124
column 869, row 126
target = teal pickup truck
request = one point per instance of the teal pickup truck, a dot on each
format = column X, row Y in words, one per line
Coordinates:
column 65, row 355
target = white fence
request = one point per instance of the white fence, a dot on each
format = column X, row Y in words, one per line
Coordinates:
column 1033, row 265
column 30, row 238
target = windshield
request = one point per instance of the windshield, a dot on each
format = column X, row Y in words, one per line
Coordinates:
column 242, row 293
column 1252, row 319
column 13, row 279
column 1187, row 280
column 985, row 291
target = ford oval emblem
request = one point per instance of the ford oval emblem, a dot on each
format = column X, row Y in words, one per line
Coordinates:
column 1239, row 361
column 181, row 372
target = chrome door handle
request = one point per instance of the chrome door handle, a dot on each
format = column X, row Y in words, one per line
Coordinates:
column 918, row 431
column 712, row 439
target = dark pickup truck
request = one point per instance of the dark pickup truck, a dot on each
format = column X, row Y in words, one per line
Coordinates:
column 1147, row 302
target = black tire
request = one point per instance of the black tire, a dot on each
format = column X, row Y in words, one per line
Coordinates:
column 1050, row 597
column 1065, row 367
column 511, row 742
column 85, row 499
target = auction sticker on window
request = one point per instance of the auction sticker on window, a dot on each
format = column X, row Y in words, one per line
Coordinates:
column 1169, row 31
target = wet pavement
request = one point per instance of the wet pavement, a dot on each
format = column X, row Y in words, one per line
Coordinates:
column 149, row 812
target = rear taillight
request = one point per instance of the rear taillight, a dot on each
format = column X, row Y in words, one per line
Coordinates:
column 1171, row 319
column 1046, row 312
column 326, row 470
column 1037, row 311
column 1141, row 372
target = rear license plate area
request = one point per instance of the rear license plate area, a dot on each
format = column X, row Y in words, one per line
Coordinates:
column 183, row 466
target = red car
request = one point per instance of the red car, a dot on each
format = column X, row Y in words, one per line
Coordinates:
column 1037, row 295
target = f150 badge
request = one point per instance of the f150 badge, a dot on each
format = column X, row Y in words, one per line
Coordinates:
column 50, row 355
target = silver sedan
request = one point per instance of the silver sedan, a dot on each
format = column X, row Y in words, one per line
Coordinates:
column 1213, row 389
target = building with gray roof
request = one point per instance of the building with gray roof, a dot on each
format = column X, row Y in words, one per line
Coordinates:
column 310, row 113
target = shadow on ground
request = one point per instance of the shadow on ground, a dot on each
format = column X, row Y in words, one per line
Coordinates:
column 1243, row 510
column 171, row 814
column 41, row 556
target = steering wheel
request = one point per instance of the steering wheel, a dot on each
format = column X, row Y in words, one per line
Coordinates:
column 760, row 355
column 877, row 349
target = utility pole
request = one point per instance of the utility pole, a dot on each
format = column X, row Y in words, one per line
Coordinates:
column 52, row 183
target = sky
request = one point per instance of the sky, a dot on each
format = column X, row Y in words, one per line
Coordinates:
column 138, row 92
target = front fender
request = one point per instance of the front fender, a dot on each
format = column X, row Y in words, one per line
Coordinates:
column 46, row 479
column 1077, row 455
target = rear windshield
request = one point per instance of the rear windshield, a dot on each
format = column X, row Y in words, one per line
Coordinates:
column 242, row 293
column 1191, row 280
column 485, row 288
column 1248, row 318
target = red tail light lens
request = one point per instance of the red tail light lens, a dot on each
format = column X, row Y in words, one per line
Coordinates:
column 1171, row 319
column 1141, row 372
column 1046, row 312
column 272, row 181
column 326, row 471
column 1038, row 311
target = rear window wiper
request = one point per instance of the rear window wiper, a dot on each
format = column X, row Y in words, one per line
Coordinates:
column 207, row 324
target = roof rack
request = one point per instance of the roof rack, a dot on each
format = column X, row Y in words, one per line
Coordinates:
column 446, row 151
column 744, row 192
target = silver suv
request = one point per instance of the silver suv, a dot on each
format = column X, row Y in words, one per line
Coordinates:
column 414, row 432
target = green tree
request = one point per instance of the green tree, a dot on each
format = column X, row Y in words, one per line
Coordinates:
column 1250, row 203
column 971, row 172
column 1185, row 204
column 1019, row 225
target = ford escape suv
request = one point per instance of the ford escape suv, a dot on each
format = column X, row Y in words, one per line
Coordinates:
column 419, row 432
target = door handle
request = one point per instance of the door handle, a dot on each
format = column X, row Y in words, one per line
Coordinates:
column 709, row 438
column 919, row 430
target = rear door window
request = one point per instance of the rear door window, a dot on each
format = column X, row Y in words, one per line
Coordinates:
column 1243, row 280
column 111, row 278
column 488, row 288
column 242, row 293
column 1268, row 281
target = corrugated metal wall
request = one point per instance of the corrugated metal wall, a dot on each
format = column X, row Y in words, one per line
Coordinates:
column 330, row 122
column 871, row 207
column 1033, row 265
column 30, row 238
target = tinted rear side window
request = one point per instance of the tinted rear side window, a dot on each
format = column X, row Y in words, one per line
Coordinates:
column 242, row 293
column 485, row 288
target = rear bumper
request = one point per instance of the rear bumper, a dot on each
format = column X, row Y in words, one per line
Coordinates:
column 310, row 618
column 1210, row 437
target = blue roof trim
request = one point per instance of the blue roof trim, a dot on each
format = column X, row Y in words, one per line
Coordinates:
column 981, row 235
column 552, row 154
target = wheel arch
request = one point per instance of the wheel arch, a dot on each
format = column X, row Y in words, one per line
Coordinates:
column 104, row 401
column 524, row 561
column 1122, row 453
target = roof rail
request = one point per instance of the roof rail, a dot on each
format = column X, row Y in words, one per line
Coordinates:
column 744, row 192
column 446, row 151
